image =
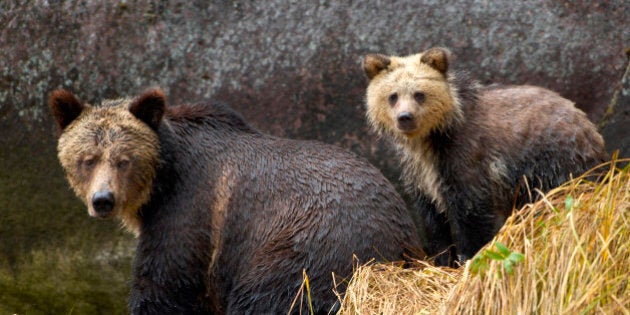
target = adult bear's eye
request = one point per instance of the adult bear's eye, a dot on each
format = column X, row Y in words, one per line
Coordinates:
column 393, row 99
column 122, row 164
column 87, row 162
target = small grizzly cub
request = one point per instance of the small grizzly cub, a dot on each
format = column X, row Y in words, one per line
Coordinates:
column 227, row 217
column 470, row 153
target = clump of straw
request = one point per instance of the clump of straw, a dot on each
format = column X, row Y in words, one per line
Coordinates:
column 567, row 253
column 391, row 289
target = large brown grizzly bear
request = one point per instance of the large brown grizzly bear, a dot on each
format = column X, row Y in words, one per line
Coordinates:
column 227, row 217
column 470, row 153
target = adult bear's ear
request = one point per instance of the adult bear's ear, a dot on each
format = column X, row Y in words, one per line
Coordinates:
column 437, row 58
column 65, row 107
column 373, row 64
column 149, row 107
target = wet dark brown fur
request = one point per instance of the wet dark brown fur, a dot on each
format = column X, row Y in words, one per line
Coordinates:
column 233, row 216
column 470, row 152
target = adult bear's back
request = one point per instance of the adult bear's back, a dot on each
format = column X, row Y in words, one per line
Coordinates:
column 286, row 206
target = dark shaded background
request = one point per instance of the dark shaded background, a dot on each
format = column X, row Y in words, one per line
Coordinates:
column 292, row 68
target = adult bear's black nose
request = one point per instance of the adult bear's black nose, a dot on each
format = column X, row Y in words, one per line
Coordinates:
column 103, row 202
column 406, row 121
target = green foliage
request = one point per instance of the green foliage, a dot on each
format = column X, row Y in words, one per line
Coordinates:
column 568, row 203
column 481, row 262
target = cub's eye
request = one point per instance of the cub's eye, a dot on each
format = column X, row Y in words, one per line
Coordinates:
column 392, row 99
column 419, row 97
column 122, row 164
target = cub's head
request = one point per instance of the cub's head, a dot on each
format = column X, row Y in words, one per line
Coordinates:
column 110, row 153
column 409, row 97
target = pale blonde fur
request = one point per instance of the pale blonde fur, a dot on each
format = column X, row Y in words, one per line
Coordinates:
column 223, row 194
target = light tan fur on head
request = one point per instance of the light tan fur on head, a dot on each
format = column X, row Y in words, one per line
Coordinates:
column 107, row 148
column 416, row 84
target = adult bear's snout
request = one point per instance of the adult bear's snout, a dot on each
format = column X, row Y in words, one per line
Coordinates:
column 103, row 203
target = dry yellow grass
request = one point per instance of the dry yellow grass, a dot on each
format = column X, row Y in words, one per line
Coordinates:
column 575, row 244
column 391, row 289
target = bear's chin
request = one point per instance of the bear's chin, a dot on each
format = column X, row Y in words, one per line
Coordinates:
column 410, row 134
column 101, row 215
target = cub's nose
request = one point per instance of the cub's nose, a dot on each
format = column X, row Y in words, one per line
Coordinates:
column 406, row 121
column 103, row 202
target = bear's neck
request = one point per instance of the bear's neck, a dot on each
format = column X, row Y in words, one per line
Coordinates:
column 167, row 174
column 465, row 96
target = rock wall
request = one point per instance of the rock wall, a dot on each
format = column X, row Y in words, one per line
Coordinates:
column 292, row 68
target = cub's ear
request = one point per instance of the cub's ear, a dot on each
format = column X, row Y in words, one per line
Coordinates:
column 437, row 58
column 65, row 107
column 149, row 107
column 373, row 64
